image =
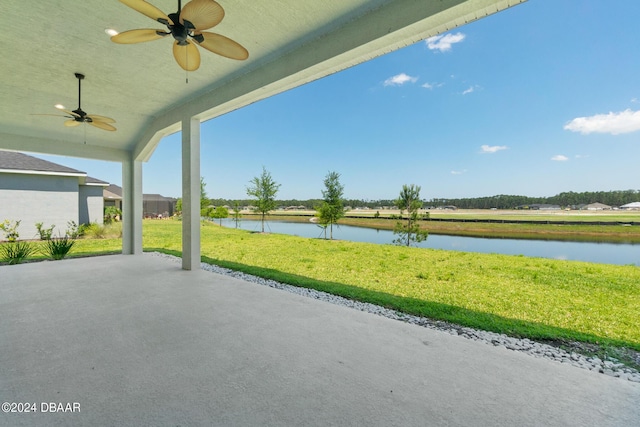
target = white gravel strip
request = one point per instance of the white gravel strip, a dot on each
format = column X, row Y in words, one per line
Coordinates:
column 608, row 367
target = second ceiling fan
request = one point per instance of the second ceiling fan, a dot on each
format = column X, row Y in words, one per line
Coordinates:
column 186, row 26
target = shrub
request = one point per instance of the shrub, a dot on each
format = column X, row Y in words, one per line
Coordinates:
column 73, row 231
column 111, row 214
column 45, row 233
column 15, row 252
column 93, row 231
column 10, row 229
column 58, row 248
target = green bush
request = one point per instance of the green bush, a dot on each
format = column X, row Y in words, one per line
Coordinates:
column 15, row 252
column 112, row 214
column 58, row 248
column 73, row 231
column 93, row 230
column 45, row 233
column 10, row 229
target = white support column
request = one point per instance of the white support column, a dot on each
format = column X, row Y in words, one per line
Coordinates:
column 131, row 207
column 190, row 194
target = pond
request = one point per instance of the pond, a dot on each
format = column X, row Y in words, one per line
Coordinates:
column 607, row 253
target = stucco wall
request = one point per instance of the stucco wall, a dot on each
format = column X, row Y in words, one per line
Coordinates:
column 48, row 199
column 91, row 204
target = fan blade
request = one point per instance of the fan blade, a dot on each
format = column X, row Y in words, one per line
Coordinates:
column 138, row 36
column 201, row 14
column 71, row 113
column 72, row 123
column 52, row 115
column 102, row 125
column 224, row 46
column 187, row 56
column 103, row 119
column 149, row 10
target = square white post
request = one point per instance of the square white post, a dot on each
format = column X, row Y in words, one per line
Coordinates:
column 190, row 194
column 131, row 207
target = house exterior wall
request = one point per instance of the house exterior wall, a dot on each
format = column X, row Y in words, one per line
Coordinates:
column 49, row 199
column 91, row 204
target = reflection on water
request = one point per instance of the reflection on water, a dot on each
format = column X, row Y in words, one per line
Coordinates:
column 608, row 253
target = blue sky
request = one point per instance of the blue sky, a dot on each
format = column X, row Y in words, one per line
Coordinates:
column 535, row 100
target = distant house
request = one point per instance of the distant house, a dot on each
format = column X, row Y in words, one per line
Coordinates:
column 153, row 205
column 112, row 196
column 33, row 190
column 544, row 207
column 631, row 206
column 596, row 207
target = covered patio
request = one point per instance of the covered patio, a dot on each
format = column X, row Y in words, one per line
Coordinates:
column 141, row 340
column 138, row 341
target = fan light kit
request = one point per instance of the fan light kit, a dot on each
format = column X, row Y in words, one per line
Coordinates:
column 78, row 116
column 186, row 27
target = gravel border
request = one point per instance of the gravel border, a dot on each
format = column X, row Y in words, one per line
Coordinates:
column 611, row 367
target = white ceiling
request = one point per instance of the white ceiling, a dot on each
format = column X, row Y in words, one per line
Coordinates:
column 290, row 42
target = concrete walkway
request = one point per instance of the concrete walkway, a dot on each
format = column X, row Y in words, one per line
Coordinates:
column 135, row 341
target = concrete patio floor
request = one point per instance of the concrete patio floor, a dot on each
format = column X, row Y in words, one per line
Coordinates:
column 135, row 340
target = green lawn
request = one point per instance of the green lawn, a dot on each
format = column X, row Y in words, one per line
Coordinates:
column 521, row 296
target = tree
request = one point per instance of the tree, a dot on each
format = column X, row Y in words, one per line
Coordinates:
column 409, row 231
column 204, row 201
column 220, row 212
column 236, row 213
column 264, row 190
column 332, row 207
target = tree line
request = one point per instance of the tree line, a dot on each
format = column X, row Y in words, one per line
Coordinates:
column 566, row 199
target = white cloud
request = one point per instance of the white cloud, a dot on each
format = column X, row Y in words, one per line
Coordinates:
column 399, row 80
column 444, row 43
column 469, row 90
column 493, row 148
column 559, row 158
column 432, row 85
column 614, row 123
column 581, row 156
column 458, row 172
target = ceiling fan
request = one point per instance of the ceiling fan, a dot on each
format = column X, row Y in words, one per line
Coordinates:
column 186, row 26
column 78, row 116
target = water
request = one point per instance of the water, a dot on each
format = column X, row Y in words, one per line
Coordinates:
column 607, row 253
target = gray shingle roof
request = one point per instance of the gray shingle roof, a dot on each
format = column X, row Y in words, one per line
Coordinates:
column 92, row 180
column 19, row 161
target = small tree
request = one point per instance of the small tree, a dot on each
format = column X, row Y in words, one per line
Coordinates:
column 409, row 231
column 264, row 189
column 220, row 212
column 204, row 201
column 332, row 207
column 236, row 213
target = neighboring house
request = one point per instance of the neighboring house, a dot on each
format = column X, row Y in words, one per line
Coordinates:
column 631, row 206
column 540, row 207
column 596, row 207
column 33, row 190
column 153, row 205
column 112, row 196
